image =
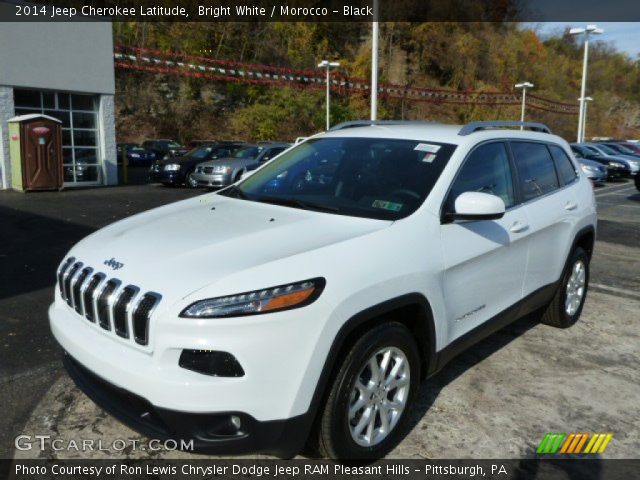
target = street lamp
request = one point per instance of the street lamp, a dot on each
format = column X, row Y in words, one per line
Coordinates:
column 584, row 120
column 589, row 30
column 523, row 86
column 328, row 65
column 374, row 61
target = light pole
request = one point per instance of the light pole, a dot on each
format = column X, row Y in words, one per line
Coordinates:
column 374, row 62
column 584, row 120
column 589, row 30
column 328, row 65
column 523, row 86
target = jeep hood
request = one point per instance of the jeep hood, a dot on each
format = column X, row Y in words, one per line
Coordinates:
column 196, row 242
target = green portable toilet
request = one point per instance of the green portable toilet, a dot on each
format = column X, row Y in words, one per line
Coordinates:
column 35, row 148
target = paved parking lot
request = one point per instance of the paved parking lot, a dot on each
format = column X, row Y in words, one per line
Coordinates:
column 494, row 401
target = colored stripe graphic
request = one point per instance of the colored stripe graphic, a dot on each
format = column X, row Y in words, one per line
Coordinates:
column 550, row 443
column 556, row 442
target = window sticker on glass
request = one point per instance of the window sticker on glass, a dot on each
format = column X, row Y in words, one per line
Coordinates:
column 395, row 207
column 430, row 151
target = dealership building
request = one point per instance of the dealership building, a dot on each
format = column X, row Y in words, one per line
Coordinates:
column 63, row 70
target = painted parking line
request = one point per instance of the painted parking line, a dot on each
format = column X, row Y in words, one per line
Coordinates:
column 609, row 187
column 622, row 291
column 629, row 189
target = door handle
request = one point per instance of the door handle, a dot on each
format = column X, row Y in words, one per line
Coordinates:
column 571, row 206
column 518, row 227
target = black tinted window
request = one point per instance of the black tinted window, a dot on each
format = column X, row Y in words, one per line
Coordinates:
column 535, row 169
column 566, row 170
column 486, row 170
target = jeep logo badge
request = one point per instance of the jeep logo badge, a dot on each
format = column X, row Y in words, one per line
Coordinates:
column 113, row 264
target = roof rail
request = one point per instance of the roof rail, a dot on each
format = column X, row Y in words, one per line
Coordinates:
column 366, row 123
column 472, row 127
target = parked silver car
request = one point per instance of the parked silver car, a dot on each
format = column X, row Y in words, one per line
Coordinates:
column 225, row 171
column 596, row 172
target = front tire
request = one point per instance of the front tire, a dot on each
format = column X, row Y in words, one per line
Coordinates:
column 637, row 181
column 369, row 405
column 189, row 181
column 566, row 306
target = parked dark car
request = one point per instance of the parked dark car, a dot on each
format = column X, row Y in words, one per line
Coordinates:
column 615, row 168
column 164, row 148
column 136, row 155
column 225, row 171
column 174, row 171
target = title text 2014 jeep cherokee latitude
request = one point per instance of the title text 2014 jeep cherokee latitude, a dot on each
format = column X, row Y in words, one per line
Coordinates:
column 308, row 309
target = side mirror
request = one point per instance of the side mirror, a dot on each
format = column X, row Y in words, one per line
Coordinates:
column 478, row 206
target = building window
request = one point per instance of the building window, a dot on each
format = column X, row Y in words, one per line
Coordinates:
column 79, row 116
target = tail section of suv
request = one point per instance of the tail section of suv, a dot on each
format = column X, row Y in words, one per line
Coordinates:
column 307, row 302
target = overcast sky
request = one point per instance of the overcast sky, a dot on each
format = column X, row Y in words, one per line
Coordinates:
column 624, row 35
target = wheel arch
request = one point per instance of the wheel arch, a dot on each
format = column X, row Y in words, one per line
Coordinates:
column 585, row 239
column 413, row 310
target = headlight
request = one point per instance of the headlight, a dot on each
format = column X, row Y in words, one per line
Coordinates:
column 634, row 164
column 134, row 155
column 171, row 167
column 221, row 169
column 588, row 169
column 283, row 297
column 616, row 165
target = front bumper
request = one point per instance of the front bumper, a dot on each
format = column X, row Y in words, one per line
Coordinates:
column 174, row 177
column 211, row 179
column 213, row 433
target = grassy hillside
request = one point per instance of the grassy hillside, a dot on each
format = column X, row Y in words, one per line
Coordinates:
column 453, row 56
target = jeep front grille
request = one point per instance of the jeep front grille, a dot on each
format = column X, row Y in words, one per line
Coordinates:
column 125, row 311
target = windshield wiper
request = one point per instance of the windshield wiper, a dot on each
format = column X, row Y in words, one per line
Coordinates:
column 294, row 202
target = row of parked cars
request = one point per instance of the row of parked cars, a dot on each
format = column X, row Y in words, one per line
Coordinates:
column 201, row 163
column 214, row 164
column 602, row 161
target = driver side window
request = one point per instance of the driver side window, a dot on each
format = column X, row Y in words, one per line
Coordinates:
column 486, row 170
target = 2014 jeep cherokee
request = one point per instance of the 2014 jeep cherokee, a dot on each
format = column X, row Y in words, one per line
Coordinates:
column 275, row 313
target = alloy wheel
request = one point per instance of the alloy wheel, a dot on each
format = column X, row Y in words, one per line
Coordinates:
column 379, row 396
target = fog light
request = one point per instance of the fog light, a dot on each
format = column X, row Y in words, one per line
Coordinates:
column 210, row 362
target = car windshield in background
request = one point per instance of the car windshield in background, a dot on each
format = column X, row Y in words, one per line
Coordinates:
column 247, row 152
column 201, row 152
column 608, row 150
column 135, row 148
column 623, row 149
column 384, row 179
column 594, row 151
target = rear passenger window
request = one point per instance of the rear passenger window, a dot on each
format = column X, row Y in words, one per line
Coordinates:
column 486, row 170
column 535, row 169
column 566, row 170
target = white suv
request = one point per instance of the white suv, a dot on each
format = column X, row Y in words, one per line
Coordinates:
column 305, row 303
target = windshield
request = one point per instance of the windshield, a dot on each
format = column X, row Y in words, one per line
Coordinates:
column 247, row 152
column 622, row 149
column 608, row 150
column 384, row 179
column 200, row 153
column 135, row 148
column 594, row 151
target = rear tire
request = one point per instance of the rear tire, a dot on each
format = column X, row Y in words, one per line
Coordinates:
column 637, row 181
column 367, row 411
column 566, row 306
